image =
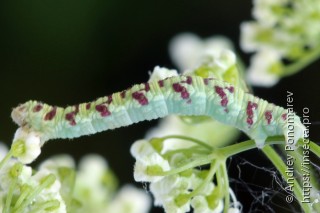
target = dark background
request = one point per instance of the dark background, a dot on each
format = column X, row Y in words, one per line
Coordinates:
column 66, row 52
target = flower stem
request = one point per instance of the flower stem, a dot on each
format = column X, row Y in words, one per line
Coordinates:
column 200, row 161
column 213, row 168
column 47, row 205
column 247, row 145
column 25, row 192
column 5, row 159
column 315, row 148
column 47, row 182
column 281, row 167
column 13, row 186
column 225, row 186
column 303, row 62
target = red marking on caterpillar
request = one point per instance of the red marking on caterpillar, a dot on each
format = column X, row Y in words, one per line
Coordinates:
column 88, row 106
column 181, row 89
column 37, row 108
column 76, row 109
column 284, row 116
column 160, row 83
column 189, row 80
column 109, row 99
column 231, row 89
column 223, row 96
column 50, row 115
column 250, row 107
column 123, row 94
column 268, row 116
column 70, row 117
column 146, row 87
column 140, row 97
column 206, row 81
column 103, row 109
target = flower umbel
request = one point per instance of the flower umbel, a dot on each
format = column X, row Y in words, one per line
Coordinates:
column 289, row 30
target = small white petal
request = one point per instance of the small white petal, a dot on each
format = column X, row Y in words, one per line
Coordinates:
column 234, row 210
column 6, row 178
column 259, row 71
column 32, row 145
column 141, row 148
column 249, row 31
column 93, row 165
column 218, row 43
column 141, row 166
column 200, row 205
column 57, row 161
column 171, row 207
column 160, row 73
column 162, row 189
column 185, row 50
column 3, row 150
column 188, row 51
column 130, row 200
column 225, row 59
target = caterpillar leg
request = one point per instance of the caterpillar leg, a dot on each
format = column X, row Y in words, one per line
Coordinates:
column 259, row 136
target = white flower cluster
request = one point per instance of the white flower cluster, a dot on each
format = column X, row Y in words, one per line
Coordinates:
column 21, row 190
column 170, row 191
column 57, row 187
column 282, row 30
column 180, row 191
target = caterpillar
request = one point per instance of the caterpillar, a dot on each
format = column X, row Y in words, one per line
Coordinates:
column 182, row 95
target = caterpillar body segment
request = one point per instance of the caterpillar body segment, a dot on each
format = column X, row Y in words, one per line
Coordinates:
column 182, row 95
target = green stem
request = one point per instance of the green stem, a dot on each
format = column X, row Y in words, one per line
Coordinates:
column 5, row 159
column 315, row 148
column 201, row 143
column 303, row 62
column 247, row 145
column 298, row 156
column 13, row 185
column 23, row 195
column 46, row 183
column 201, row 161
column 281, row 167
column 213, row 168
column 47, row 205
column 225, row 186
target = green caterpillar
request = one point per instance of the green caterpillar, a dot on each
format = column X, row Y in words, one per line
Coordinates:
column 182, row 95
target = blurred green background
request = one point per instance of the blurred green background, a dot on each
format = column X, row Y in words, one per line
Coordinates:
column 68, row 52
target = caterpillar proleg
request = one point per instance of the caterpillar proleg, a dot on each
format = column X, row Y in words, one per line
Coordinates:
column 182, row 95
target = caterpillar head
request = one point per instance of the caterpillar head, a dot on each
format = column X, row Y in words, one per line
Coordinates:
column 19, row 114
